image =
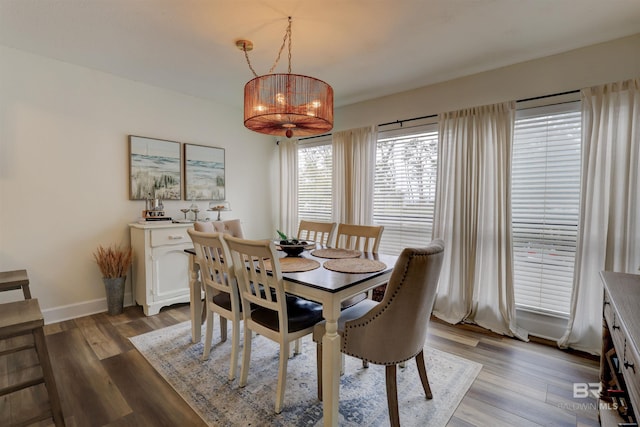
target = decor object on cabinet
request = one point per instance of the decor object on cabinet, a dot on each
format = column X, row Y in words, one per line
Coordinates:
column 203, row 172
column 114, row 262
column 154, row 169
column 160, row 273
column 222, row 206
column 286, row 104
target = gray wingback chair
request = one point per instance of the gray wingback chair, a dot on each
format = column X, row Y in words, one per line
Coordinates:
column 393, row 330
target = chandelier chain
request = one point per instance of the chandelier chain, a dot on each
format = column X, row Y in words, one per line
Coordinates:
column 287, row 36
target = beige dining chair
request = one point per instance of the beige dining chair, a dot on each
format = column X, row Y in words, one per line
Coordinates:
column 268, row 310
column 221, row 291
column 316, row 231
column 364, row 238
column 394, row 330
column 361, row 237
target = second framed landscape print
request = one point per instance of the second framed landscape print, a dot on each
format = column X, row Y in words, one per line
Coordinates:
column 204, row 177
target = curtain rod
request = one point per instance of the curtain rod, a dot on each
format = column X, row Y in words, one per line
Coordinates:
column 400, row 122
column 382, row 124
column 548, row 96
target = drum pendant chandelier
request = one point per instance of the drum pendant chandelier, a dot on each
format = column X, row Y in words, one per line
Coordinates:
column 286, row 104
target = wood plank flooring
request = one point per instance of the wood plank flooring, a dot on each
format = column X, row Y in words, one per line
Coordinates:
column 104, row 381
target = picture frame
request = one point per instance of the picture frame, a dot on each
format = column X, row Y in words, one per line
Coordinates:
column 204, row 172
column 155, row 169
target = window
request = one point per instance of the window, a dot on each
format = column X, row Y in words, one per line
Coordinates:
column 405, row 186
column 545, row 205
column 314, row 180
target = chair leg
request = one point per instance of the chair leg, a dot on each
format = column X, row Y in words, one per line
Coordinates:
column 282, row 376
column 296, row 348
column 319, row 369
column 392, row 396
column 235, row 346
column 422, row 370
column 223, row 329
column 208, row 336
column 246, row 357
column 49, row 379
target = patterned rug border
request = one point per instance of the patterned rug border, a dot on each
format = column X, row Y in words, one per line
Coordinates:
column 172, row 354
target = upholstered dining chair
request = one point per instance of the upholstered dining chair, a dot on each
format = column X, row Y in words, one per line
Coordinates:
column 268, row 310
column 393, row 330
column 316, row 231
column 364, row 238
column 221, row 291
column 230, row 226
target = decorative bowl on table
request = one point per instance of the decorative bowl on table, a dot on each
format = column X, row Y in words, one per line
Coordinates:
column 293, row 247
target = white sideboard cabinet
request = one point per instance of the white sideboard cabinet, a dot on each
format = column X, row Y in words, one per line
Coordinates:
column 160, row 265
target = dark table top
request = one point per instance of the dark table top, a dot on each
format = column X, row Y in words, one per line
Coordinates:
column 328, row 280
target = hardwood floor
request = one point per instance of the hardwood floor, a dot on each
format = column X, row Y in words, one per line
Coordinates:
column 104, row 381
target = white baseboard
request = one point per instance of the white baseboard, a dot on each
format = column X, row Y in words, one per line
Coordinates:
column 85, row 308
column 541, row 325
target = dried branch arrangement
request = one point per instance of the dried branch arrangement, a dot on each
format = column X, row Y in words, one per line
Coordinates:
column 113, row 261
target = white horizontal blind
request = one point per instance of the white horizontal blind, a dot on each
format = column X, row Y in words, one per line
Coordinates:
column 314, row 181
column 545, row 205
column 405, row 187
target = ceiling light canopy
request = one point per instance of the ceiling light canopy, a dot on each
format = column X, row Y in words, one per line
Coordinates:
column 286, row 104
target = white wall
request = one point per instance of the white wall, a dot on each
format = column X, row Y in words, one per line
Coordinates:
column 64, row 170
column 577, row 69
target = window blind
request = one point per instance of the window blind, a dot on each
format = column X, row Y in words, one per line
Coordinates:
column 545, row 205
column 405, row 187
column 314, row 181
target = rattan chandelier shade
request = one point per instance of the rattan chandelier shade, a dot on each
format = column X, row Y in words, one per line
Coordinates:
column 287, row 105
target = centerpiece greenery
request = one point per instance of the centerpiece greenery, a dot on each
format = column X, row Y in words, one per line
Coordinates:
column 292, row 246
column 284, row 240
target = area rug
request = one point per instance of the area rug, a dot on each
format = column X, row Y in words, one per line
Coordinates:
column 205, row 387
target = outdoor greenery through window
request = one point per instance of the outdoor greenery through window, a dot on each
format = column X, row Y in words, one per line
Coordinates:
column 405, row 187
column 545, row 205
column 314, row 181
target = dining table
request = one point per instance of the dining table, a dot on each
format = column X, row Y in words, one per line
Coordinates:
column 326, row 285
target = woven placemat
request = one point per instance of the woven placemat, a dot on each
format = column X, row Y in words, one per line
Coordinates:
column 294, row 264
column 354, row 265
column 336, row 253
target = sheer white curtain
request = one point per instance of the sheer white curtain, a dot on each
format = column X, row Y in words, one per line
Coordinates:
column 288, row 221
column 473, row 216
column 354, row 163
column 609, row 234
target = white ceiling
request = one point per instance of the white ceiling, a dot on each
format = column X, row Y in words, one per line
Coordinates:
column 363, row 48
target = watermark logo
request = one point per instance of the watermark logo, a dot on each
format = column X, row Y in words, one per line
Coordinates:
column 585, row 390
column 589, row 391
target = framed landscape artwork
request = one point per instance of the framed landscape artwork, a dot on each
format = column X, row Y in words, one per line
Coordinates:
column 203, row 172
column 154, row 170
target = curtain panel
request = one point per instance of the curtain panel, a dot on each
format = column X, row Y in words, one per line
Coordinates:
column 354, row 163
column 473, row 216
column 288, row 217
column 609, row 231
